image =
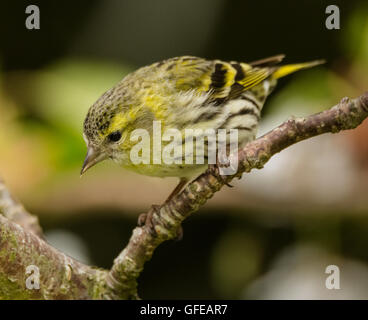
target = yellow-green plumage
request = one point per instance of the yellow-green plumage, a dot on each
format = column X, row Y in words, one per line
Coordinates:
column 183, row 92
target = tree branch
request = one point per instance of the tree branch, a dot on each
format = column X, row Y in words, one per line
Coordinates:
column 62, row 277
column 122, row 278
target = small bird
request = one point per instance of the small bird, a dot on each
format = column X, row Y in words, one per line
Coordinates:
column 182, row 93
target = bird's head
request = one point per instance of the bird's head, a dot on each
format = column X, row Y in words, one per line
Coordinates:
column 104, row 131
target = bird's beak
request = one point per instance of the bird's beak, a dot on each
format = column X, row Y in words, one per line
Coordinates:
column 93, row 157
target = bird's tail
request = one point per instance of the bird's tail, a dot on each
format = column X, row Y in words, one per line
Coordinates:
column 283, row 71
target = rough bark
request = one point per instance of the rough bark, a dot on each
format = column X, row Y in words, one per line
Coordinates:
column 61, row 277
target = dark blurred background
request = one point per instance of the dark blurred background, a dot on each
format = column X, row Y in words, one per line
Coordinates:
column 270, row 237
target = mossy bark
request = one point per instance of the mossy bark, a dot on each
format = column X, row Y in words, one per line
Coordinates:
column 60, row 277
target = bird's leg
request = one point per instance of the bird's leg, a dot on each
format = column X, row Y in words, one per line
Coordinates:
column 215, row 171
column 178, row 188
column 146, row 218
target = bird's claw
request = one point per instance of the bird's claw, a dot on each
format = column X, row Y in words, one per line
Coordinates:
column 146, row 219
column 215, row 171
column 142, row 219
column 179, row 234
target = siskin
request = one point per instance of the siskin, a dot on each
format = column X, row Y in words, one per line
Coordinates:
column 182, row 93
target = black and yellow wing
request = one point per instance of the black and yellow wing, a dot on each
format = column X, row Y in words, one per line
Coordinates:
column 222, row 79
column 225, row 80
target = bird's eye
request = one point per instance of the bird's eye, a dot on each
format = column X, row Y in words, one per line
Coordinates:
column 114, row 136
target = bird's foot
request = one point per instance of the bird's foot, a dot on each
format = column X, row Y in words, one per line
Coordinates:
column 146, row 219
column 215, row 171
column 179, row 234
